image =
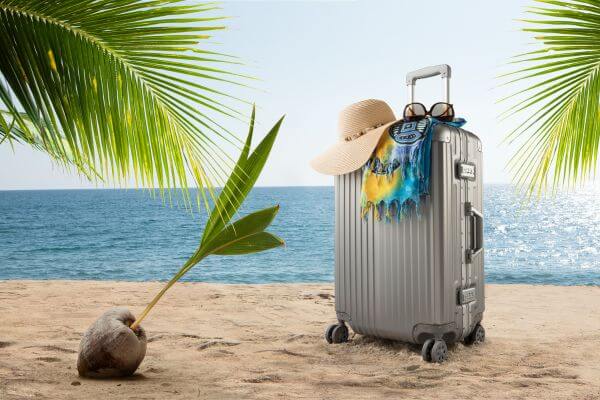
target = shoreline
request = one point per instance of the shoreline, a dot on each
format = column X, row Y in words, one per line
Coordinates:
column 302, row 283
column 265, row 341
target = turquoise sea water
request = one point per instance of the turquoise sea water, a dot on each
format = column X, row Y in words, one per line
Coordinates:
column 127, row 235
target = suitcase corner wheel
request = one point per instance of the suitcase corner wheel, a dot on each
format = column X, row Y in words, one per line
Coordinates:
column 436, row 350
column 336, row 333
column 476, row 336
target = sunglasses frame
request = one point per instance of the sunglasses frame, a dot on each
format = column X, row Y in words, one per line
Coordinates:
column 447, row 118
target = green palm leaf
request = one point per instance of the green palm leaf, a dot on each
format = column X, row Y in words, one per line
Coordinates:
column 244, row 230
column 560, row 134
column 241, row 180
column 254, row 243
column 118, row 87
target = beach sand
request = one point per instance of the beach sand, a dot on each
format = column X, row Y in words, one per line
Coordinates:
column 266, row 342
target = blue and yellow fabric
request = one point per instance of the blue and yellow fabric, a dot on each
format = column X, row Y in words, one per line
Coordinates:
column 397, row 174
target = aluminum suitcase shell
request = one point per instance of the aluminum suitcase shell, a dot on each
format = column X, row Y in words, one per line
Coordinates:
column 417, row 278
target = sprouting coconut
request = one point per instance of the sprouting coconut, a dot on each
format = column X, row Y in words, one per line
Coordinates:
column 110, row 348
column 115, row 344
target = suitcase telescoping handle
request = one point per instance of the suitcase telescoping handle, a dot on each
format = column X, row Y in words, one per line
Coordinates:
column 443, row 69
column 476, row 231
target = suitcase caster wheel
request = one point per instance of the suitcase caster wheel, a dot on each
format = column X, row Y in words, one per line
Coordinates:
column 426, row 350
column 477, row 336
column 439, row 351
column 339, row 334
column 329, row 333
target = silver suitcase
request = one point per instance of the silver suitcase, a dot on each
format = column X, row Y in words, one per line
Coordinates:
column 420, row 279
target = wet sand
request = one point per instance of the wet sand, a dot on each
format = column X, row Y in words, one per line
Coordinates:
column 266, row 342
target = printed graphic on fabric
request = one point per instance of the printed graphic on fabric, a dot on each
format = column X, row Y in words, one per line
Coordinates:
column 397, row 174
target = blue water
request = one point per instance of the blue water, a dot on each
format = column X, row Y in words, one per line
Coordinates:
column 128, row 235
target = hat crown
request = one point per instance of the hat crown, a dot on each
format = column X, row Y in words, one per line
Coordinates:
column 359, row 118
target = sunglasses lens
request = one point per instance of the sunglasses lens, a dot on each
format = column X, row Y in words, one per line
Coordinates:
column 442, row 111
column 414, row 110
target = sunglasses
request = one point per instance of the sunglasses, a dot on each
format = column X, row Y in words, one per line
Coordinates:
column 441, row 111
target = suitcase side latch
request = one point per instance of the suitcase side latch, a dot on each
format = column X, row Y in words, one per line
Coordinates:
column 466, row 170
column 466, row 296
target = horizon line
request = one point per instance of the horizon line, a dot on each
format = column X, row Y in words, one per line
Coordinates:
column 194, row 188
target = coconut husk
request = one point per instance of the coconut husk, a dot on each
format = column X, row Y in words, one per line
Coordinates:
column 109, row 348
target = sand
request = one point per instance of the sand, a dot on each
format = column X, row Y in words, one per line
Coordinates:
column 266, row 342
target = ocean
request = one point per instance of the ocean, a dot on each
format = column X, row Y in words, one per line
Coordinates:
column 129, row 235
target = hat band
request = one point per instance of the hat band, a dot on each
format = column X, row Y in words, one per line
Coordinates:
column 362, row 132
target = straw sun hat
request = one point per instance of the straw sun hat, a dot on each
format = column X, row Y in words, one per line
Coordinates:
column 360, row 126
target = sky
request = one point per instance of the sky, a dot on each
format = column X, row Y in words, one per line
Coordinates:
column 316, row 57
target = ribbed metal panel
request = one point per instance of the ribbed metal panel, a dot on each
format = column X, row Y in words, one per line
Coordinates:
column 396, row 278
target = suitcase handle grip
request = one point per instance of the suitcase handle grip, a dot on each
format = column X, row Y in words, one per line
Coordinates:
column 477, row 232
column 443, row 69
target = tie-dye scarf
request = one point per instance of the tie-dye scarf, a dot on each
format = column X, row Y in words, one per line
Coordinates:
column 397, row 174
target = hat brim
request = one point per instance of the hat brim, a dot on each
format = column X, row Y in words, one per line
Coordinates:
column 345, row 157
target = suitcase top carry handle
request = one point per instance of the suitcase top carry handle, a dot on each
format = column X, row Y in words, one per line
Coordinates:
column 443, row 69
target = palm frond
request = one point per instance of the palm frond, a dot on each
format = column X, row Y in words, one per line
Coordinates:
column 119, row 86
column 560, row 132
column 22, row 130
